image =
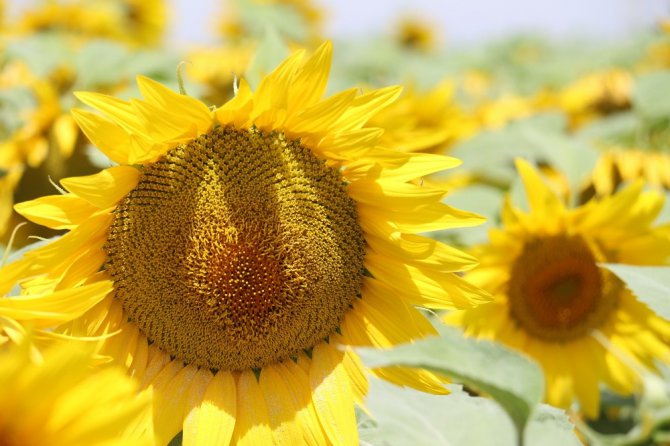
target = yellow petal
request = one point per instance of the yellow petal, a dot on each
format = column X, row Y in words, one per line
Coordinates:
column 297, row 380
column 366, row 106
column 118, row 110
column 211, row 420
column 422, row 252
column 540, row 196
column 60, row 306
column 393, row 195
column 65, row 134
column 332, row 396
column 419, row 379
column 282, row 410
column 309, row 83
column 252, row 426
column 320, row 117
column 111, row 139
column 191, row 110
column 170, row 392
column 56, row 211
column 106, row 188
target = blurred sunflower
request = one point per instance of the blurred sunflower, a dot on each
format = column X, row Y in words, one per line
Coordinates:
column 424, row 121
column 216, row 68
column 40, row 134
column 416, row 34
column 595, row 95
column 553, row 301
column 47, row 400
column 241, row 246
column 140, row 22
column 620, row 165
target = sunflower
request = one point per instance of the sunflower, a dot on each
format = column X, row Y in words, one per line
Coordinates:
column 428, row 121
column 554, row 302
column 247, row 248
column 46, row 400
column 217, row 69
column 618, row 164
column 40, row 135
column 130, row 21
column 416, row 34
column 595, row 95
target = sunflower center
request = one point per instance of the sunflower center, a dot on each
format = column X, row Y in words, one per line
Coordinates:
column 236, row 250
column 557, row 292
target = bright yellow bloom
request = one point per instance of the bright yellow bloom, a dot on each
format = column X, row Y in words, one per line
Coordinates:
column 245, row 249
column 553, row 301
column 131, row 21
column 617, row 165
column 424, row 122
column 595, row 95
column 57, row 399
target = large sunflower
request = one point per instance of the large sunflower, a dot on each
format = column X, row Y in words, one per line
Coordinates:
column 554, row 302
column 247, row 248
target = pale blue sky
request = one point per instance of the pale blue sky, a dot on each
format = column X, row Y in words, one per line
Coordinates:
column 461, row 21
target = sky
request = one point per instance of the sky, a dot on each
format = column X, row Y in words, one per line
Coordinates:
column 461, row 22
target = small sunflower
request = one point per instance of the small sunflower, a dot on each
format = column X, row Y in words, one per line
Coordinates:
column 595, row 95
column 620, row 165
column 416, row 34
column 39, row 135
column 246, row 248
column 131, row 21
column 46, row 399
column 555, row 303
column 428, row 121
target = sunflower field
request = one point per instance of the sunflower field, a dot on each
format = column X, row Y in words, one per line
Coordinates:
column 287, row 237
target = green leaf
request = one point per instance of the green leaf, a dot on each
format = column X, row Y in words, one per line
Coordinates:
column 651, row 285
column 490, row 155
column 100, row 62
column 406, row 417
column 512, row 380
column 550, row 426
column 270, row 53
column 483, row 200
column 43, row 53
column 651, row 95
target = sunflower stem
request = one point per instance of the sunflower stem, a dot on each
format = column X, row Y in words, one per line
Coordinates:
column 180, row 77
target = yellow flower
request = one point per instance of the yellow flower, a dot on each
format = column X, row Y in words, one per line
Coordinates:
column 555, row 303
column 617, row 165
column 131, row 21
column 246, row 249
column 44, row 135
column 424, row 122
column 595, row 95
column 57, row 399
column 217, row 69
column 416, row 34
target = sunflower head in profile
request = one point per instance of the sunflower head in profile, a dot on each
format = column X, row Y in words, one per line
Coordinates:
column 246, row 249
column 555, row 303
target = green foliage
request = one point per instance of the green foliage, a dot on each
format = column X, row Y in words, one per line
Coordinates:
column 651, row 96
column 650, row 284
column 512, row 380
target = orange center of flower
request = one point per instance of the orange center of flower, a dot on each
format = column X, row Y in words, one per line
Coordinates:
column 557, row 292
column 236, row 250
